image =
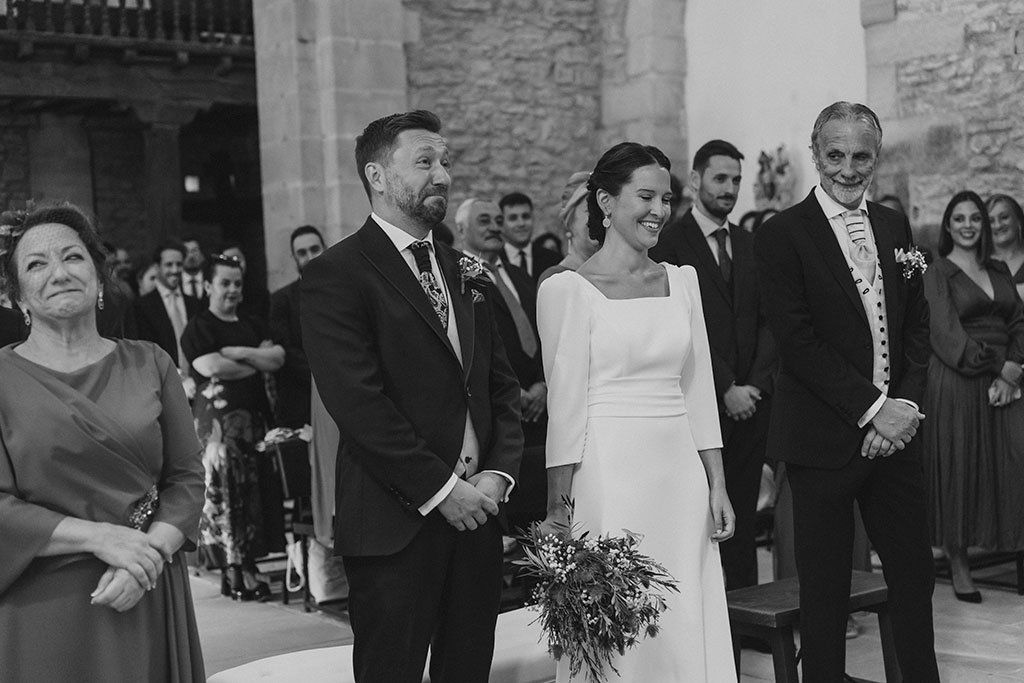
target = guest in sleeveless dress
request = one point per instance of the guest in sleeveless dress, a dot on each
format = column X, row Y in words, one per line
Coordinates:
column 1007, row 220
column 634, row 436
column 974, row 433
column 100, row 477
column 243, row 517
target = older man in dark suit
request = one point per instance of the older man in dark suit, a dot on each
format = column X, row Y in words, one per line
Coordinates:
column 742, row 350
column 515, row 311
column 401, row 339
column 852, row 333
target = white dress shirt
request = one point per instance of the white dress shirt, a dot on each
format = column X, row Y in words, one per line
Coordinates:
column 709, row 227
column 470, row 443
column 513, row 256
column 174, row 302
column 872, row 296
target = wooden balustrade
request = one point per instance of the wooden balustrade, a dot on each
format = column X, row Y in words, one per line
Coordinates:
column 182, row 27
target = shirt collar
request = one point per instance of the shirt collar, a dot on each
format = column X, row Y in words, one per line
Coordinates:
column 400, row 238
column 831, row 207
column 164, row 290
column 706, row 224
column 513, row 252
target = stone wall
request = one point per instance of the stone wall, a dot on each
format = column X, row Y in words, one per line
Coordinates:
column 119, row 183
column 517, row 86
column 15, row 186
column 945, row 78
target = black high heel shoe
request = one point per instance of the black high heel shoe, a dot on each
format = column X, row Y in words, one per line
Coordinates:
column 225, row 585
column 236, row 585
column 262, row 591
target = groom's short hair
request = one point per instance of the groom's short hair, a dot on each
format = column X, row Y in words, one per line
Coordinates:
column 377, row 141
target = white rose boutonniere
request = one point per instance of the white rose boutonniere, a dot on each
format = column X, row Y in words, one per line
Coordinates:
column 470, row 269
column 912, row 261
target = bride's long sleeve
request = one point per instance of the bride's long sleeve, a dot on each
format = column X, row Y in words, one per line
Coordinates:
column 563, row 321
column 698, row 381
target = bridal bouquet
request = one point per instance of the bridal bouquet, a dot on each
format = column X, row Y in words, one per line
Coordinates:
column 597, row 596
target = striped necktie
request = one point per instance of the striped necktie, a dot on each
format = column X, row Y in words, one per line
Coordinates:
column 861, row 254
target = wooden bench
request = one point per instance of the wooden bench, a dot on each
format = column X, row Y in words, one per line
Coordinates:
column 770, row 611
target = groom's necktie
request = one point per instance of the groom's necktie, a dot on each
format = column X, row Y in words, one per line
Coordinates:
column 527, row 339
column 724, row 260
column 861, row 254
column 421, row 252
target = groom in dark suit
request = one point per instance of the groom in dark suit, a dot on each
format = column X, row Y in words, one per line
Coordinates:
column 851, row 325
column 742, row 349
column 400, row 335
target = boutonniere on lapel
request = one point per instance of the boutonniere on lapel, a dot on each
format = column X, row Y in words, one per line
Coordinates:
column 912, row 261
column 471, row 269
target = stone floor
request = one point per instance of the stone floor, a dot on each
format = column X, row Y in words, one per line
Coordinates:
column 974, row 642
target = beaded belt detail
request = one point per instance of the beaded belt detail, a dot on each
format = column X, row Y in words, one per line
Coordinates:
column 144, row 509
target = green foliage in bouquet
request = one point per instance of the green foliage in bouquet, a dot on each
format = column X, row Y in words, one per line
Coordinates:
column 597, row 596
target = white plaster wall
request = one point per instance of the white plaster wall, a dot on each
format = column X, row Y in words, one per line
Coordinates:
column 759, row 71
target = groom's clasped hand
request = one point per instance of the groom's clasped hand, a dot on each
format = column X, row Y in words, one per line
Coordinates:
column 470, row 502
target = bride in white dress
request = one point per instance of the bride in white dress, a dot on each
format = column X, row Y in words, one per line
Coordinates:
column 633, row 434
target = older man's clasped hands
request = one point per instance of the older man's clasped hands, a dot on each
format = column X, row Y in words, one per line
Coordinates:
column 891, row 429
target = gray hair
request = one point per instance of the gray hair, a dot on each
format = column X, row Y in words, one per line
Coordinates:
column 462, row 213
column 845, row 111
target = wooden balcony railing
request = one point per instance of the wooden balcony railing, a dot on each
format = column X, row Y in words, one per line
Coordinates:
column 183, row 28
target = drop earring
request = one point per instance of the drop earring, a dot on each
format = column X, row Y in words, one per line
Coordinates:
column 99, row 299
column 607, row 223
column 28, row 318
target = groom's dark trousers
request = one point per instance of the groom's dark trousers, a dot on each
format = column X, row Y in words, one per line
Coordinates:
column 824, row 387
column 390, row 378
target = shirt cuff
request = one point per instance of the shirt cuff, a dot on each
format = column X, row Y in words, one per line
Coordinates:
column 436, row 499
column 511, row 483
column 909, row 403
column 870, row 413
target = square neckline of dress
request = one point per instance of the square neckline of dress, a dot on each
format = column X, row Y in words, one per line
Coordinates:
column 667, row 295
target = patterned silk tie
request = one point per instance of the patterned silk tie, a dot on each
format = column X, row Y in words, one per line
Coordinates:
column 527, row 339
column 724, row 260
column 861, row 254
column 421, row 252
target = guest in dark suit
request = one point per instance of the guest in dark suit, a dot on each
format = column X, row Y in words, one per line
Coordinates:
column 402, row 342
column 515, row 311
column 742, row 349
column 153, row 311
column 852, row 333
column 293, row 382
column 517, row 230
column 193, row 266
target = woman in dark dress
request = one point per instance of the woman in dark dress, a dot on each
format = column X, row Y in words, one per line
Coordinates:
column 101, row 482
column 1007, row 220
column 974, row 433
column 243, row 518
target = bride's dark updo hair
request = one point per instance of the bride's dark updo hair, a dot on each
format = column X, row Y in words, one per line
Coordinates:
column 613, row 171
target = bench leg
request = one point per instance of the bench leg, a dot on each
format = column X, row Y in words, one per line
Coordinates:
column 892, row 666
column 784, row 655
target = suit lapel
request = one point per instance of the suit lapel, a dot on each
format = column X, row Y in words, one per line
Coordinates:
column 699, row 244
column 382, row 255
column 461, row 302
column 821, row 234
